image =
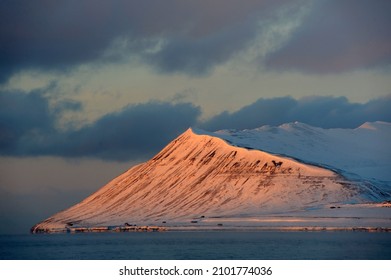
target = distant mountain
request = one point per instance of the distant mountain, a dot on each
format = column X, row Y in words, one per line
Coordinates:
column 239, row 174
column 363, row 153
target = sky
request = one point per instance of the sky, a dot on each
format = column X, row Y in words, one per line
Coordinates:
column 89, row 88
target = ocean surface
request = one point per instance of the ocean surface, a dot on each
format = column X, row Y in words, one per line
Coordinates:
column 198, row 245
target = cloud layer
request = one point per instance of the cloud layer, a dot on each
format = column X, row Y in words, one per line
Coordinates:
column 326, row 112
column 172, row 35
column 189, row 36
column 28, row 128
column 338, row 36
column 28, row 123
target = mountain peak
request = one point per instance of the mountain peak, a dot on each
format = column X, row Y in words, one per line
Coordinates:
column 378, row 125
column 201, row 174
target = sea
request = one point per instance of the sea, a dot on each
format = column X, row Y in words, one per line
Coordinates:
column 219, row 245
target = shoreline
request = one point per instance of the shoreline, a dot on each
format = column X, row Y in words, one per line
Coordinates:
column 355, row 217
column 115, row 229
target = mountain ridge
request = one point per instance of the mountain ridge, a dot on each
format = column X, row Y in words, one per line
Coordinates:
column 362, row 153
column 202, row 175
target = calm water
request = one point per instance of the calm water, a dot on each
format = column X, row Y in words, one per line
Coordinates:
column 198, row 245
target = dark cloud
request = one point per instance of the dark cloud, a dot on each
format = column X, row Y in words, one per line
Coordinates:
column 138, row 131
column 28, row 128
column 338, row 36
column 28, row 123
column 188, row 36
column 51, row 35
column 23, row 116
column 326, row 112
column 197, row 55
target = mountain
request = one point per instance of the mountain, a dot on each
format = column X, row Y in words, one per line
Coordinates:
column 242, row 178
column 363, row 153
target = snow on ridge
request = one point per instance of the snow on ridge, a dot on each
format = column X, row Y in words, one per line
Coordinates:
column 361, row 153
column 378, row 125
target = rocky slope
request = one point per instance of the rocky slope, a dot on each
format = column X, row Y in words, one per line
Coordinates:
column 199, row 175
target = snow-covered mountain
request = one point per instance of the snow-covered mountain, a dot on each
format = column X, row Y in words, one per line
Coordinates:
column 363, row 153
column 241, row 176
